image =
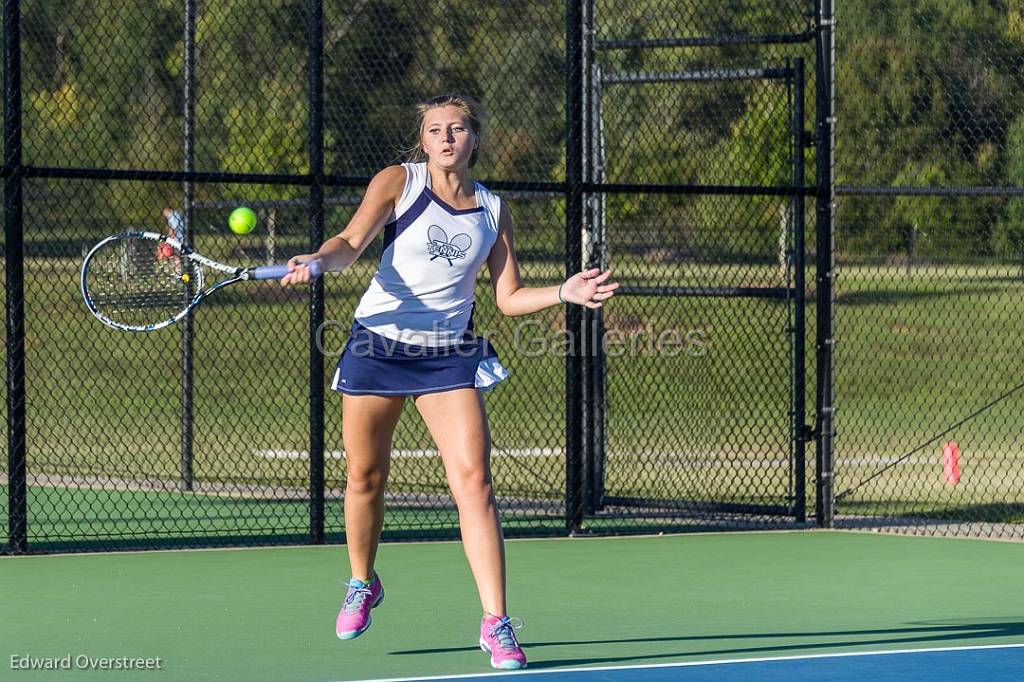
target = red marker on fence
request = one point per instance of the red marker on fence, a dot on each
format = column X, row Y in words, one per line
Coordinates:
column 951, row 462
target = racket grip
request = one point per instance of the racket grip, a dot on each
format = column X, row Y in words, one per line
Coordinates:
column 279, row 271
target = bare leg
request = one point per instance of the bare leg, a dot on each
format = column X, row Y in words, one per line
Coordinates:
column 457, row 420
column 368, row 422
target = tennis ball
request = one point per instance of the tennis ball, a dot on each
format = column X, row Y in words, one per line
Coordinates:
column 242, row 220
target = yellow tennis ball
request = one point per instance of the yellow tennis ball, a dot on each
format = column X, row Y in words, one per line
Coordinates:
column 242, row 220
column 185, row 277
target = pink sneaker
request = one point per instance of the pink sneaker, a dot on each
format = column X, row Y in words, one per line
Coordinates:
column 354, row 616
column 498, row 638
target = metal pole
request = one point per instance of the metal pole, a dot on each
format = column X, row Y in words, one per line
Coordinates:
column 573, row 256
column 187, row 363
column 587, row 236
column 316, row 294
column 800, row 303
column 599, row 259
column 601, row 244
column 17, row 505
column 825, row 245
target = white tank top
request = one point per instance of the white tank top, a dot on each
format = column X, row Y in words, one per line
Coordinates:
column 423, row 290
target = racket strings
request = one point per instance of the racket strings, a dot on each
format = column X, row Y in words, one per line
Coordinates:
column 138, row 282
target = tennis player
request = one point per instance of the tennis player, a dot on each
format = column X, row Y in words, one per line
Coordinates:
column 413, row 336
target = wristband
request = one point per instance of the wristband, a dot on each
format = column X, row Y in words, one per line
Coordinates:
column 560, row 299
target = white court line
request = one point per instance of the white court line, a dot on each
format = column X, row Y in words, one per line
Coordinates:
column 697, row 460
column 689, row 664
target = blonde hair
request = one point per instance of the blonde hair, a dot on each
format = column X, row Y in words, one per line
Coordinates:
column 469, row 107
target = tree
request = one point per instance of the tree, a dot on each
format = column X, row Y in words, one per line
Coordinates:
column 1009, row 234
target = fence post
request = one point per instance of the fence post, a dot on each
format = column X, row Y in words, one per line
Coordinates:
column 825, row 245
column 187, row 336
column 316, row 295
column 800, row 302
column 590, row 361
column 573, row 256
column 17, row 507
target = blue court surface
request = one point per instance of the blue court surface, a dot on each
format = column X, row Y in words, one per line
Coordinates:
column 998, row 663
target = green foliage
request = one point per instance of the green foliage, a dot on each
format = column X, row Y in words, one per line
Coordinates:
column 934, row 221
column 926, row 93
column 1009, row 234
column 755, row 152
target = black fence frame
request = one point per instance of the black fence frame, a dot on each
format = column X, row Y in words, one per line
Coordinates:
column 794, row 294
column 578, row 186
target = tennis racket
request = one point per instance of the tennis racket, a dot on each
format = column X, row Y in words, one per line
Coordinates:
column 144, row 281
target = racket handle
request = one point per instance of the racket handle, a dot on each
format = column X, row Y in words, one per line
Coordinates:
column 279, row 271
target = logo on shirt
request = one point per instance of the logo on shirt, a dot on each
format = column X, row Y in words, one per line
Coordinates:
column 439, row 246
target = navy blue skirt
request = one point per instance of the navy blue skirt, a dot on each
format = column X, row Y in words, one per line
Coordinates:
column 372, row 364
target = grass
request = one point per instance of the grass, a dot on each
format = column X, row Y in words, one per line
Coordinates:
column 914, row 355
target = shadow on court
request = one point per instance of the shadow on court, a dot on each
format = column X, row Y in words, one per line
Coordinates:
column 930, row 634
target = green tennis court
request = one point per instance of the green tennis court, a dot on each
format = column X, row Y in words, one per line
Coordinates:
column 267, row 614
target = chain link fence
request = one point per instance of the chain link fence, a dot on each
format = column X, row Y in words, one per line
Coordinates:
column 153, row 115
column 929, row 308
column 700, row 404
column 675, row 142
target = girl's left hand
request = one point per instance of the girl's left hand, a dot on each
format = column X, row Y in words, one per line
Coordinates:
column 588, row 288
column 298, row 269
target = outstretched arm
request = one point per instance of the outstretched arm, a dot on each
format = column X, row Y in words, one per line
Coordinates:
column 341, row 250
column 584, row 288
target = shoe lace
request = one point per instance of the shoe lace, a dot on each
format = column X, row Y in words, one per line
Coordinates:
column 504, row 632
column 355, row 598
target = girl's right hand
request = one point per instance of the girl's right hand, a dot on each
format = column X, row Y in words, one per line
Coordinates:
column 298, row 272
